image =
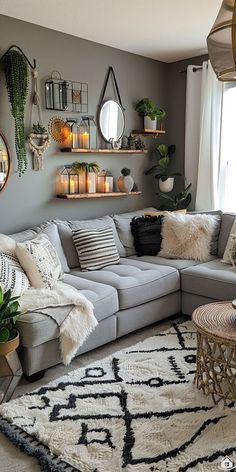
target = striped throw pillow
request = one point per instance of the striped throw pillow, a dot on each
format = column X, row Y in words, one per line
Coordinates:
column 96, row 248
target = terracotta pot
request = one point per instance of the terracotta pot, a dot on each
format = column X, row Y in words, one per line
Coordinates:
column 9, row 346
column 167, row 185
column 125, row 183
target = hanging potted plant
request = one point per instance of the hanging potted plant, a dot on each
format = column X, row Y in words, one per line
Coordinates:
column 9, row 314
column 150, row 112
column 16, row 73
column 125, row 181
column 161, row 169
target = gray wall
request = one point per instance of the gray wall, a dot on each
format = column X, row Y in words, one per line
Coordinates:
column 31, row 199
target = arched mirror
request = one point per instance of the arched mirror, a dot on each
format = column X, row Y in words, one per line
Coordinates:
column 4, row 163
column 111, row 121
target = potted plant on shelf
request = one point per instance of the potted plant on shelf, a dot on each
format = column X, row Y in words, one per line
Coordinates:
column 180, row 201
column 87, row 175
column 161, row 169
column 9, row 314
column 125, row 181
column 150, row 112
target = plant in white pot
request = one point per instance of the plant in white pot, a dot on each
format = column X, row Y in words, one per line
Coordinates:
column 9, row 314
column 150, row 112
column 125, row 182
column 161, row 169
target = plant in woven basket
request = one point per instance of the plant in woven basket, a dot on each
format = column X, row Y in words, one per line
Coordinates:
column 9, row 314
column 16, row 74
column 39, row 129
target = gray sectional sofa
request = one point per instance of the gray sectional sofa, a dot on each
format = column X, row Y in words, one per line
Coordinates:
column 127, row 296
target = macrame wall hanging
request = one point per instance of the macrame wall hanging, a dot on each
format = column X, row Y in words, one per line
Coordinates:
column 39, row 139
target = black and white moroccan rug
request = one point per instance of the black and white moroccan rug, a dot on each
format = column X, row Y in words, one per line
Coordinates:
column 136, row 411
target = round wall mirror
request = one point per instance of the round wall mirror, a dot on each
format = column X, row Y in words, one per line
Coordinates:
column 111, row 121
column 4, row 163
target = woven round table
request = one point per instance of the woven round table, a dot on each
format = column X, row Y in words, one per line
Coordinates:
column 216, row 350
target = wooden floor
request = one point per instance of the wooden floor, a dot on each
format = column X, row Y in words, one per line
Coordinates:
column 12, row 460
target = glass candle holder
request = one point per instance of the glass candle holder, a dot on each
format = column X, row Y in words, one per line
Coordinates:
column 88, row 133
column 91, row 182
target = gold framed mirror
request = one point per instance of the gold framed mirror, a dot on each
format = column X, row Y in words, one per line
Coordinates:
column 5, row 163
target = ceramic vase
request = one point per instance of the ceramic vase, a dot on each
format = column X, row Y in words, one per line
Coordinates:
column 150, row 124
column 167, row 185
column 125, row 183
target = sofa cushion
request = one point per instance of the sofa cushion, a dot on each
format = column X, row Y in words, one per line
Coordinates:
column 215, row 236
column 36, row 329
column 179, row 264
column 211, row 279
column 226, row 225
column 136, row 282
column 122, row 223
column 66, row 229
column 23, row 235
column 51, row 230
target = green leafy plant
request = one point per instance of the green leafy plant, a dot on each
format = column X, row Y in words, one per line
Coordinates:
column 80, row 167
column 16, row 74
column 179, row 202
column 125, row 171
column 161, row 169
column 146, row 107
column 9, row 314
column 39, row 129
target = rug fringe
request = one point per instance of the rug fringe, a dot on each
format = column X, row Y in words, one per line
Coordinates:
column 21, row 440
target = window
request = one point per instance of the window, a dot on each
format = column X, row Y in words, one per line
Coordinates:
column 227, row 179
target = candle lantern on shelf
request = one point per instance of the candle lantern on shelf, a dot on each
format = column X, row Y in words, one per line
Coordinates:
column 69, row 135
column 68, row 181
column 108, row 186
column 80, row 168
column 88, row 133
column 92, row 171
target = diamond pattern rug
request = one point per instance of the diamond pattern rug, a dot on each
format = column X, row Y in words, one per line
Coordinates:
column 135, row 411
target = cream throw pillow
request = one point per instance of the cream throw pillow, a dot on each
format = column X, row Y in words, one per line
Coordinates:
column 40, row 261
column 187, row 236
column 161, row 212
column 12, row 276
column 226, row 257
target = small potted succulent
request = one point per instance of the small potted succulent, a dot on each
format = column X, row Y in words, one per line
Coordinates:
column 125, row 181
column 150, row 112
column 161, row 169
column 9, row 314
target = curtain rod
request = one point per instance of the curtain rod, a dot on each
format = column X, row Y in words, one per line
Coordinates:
column 195, row 69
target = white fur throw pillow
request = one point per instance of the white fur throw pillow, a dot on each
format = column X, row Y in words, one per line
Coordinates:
column 187, row 236
column 40, row 261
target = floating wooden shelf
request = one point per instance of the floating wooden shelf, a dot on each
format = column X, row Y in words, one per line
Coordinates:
column 105, row 151
column 148, row 132
column 76, row 196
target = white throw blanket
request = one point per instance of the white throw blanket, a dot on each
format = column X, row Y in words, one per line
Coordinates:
column 70, row 309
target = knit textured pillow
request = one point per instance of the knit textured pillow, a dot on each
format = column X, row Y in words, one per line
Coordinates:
column 40, row 261
column 96, row 248
column 187, row 236
column 12, row 276
column 146, row 231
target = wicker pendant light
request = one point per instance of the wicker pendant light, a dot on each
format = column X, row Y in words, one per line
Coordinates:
column 221, row 42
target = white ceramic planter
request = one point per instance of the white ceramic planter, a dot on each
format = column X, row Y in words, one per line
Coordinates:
column 167, row 185
column 125, row 183
column 150, row 124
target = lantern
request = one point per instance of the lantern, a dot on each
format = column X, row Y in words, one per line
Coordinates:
column 104, row 182
column 221, row 42
column 108, row 186
column 68, row 181
column 69, row 134
column 87, row 133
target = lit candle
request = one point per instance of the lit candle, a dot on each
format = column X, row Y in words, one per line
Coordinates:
column 91, row 182
column 64, row 184
column 73, row 184
column 106, row 187
column 82, row 182
column 100, row 182
column 85, row 140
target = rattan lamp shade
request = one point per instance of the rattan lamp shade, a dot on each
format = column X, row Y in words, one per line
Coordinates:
column 221, row 42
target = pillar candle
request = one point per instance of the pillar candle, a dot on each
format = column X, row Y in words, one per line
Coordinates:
column 91, row 182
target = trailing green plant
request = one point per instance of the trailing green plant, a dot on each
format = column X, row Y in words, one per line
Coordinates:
column 161, row 169
column 125, row 171
column 16, row 73
column 146, row 107
column 9, row 314
column 80, row 167
column 179, row 202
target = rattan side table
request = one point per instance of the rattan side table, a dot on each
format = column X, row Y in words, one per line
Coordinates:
column 216, row 350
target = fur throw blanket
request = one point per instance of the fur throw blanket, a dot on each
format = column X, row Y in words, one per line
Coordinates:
column 70, row 309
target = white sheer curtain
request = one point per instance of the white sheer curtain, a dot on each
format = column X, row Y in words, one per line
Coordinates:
column 202, row 141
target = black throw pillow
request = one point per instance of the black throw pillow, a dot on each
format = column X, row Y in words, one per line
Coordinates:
column 146, row 231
